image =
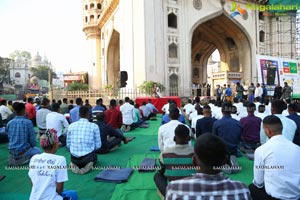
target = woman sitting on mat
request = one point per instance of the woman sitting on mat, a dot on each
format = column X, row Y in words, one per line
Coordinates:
column 48, row 171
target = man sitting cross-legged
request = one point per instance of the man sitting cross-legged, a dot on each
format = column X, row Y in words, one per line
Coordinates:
column 276, row 165
column 59, row 122
column 83, row 138
column 48, row 171
column 21, row 136
column 115, row 138
column 175, row 159
column 208, row 182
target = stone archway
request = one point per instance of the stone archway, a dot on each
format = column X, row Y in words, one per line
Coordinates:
column 233, row 44
column 113, row 60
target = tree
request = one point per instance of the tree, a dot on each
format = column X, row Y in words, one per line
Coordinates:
column 77, row 86
column 24, row 54
column 42, row 72
column 147, row 86
column 5, row 64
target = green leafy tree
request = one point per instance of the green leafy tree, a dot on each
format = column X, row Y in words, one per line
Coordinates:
column 24, row 54
column 147, row 86
column 42, row 72
column 5, row 64
column 77, row 86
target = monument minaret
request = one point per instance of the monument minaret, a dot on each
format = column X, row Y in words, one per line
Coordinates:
column 91, row 14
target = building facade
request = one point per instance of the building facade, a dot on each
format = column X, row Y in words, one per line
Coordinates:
column 170, row 41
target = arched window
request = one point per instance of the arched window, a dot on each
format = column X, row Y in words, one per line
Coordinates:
column 261, row 16
column 17, row 75
column 86, row 7
column 92, row 18
column 86, row 19
column 98, row 16
column 173, row 85
column 92, row 6
column 99, row 6
column 173, row 51
column 172, row 20
column 261, row 36
column 230, row 43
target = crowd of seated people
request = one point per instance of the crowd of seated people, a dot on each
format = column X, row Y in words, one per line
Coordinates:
column 263, row 132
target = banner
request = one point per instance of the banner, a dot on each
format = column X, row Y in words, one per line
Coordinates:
column 274, row 70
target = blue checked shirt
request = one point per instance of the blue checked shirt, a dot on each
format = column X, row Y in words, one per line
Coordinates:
column 21, row 135
column 83, row 137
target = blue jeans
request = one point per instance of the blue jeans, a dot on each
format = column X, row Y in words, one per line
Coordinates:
column 32, row 151
column 69, row 194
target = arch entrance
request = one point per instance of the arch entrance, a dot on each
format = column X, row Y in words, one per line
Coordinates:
column 113, row 60
column 223, row 34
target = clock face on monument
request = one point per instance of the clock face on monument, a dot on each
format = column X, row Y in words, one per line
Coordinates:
column 197, row 4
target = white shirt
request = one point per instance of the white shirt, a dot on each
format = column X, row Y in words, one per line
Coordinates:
column 236, row 117
column 166, row 134
column 216, row 112
column 288, row 131
column 239, row 106
column 258, row 92
column 194, row 121
column 188, row 109
column 165, row 108
column 128, row 113
column 58, row 122
column 41, row 117
column 282, row 183
column 260, row 115
column 45, row 171
column 285, row 113
column 5, row 112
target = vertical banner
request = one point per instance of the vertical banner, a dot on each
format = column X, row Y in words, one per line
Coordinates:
column 274, row 70
column 268, row 71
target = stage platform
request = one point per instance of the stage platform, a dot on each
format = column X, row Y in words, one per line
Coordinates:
column 158, row 102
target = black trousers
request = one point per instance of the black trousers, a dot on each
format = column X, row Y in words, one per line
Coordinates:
column 3, row 138
column 161, row 183
column 259, row 193
column 111, row 144
column 83, row 160
column 63, row 139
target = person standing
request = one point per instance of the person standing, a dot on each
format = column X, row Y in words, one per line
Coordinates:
column 258, row 92
column 286, row 92
column 251, row 90
column 277, row 92
column 218, row 93
column 228, row 93
column 240, row 91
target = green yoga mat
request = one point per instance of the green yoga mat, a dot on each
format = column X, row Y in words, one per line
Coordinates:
column 16, row 185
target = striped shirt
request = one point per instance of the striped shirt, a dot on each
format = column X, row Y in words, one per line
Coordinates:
column 83, row 137
column 207, row 187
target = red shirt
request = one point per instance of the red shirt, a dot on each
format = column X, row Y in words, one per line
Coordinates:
column 113, row 117
column 30, row 110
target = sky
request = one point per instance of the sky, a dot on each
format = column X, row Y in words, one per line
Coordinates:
column 51, row 27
